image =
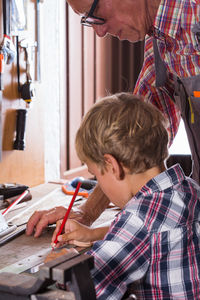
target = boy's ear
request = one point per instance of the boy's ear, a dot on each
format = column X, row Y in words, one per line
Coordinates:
column 112, row 165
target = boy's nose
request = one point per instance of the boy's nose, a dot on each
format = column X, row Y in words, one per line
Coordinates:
column 100, row 30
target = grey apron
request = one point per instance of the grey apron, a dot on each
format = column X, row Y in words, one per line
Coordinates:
column 188, row 105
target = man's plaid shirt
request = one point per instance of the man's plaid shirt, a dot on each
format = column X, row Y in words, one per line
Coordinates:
column 179, row 48
column 154, row 241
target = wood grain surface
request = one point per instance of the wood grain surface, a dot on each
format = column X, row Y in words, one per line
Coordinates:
column 45, row 196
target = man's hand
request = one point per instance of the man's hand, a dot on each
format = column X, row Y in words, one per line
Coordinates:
column 85, row 214
column 41, row 219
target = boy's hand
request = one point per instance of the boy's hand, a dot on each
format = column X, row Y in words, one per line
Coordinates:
column 75, row 233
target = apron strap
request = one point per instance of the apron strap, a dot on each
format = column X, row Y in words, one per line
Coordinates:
column 160, row 67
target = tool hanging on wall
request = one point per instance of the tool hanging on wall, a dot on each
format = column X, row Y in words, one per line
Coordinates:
column 19, row 143
column 7, row 55
column 7, row 45
column 26, row 91
column 18, row 22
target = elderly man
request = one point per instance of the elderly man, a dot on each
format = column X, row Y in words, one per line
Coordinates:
column 170, row 76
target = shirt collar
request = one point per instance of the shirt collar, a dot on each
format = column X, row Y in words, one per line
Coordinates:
column 166, row 179
column 168, row 18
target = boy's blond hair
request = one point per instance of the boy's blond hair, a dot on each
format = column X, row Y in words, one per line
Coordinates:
column 129, row 129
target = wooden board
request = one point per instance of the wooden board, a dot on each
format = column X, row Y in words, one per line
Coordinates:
column 45, row 196
column 26, row 166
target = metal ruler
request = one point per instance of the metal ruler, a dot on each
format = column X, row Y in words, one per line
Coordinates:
column 3, row 224
column 27, row 263
column 32, row 263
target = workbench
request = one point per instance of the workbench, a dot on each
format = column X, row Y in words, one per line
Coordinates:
column 26, row 252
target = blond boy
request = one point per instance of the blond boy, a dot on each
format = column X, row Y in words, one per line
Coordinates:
column 154, row 240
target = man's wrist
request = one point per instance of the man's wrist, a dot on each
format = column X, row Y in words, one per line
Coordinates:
column 82, row 216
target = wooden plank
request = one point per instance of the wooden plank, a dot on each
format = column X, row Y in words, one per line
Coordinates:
column 45, row 196
column 25, row 246
column 26, row 166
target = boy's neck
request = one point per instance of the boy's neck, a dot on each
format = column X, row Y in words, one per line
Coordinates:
column 137, row 181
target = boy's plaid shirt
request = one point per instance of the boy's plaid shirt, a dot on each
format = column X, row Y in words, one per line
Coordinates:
column 180, row 50
column 154, row 241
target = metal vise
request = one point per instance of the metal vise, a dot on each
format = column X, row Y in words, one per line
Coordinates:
column 71, row 272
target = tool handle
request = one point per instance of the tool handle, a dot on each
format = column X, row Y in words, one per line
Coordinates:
column 6, row 17
column 9, row 201
column 19, row 143
column 87, row 184
column 15, row 202
column 68, row 191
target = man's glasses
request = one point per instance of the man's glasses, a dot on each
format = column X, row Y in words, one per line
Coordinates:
column 90, row 19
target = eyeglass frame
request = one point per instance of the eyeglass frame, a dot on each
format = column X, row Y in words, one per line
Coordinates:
column 84, row 20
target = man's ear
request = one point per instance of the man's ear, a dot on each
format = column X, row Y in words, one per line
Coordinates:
column 112, row 165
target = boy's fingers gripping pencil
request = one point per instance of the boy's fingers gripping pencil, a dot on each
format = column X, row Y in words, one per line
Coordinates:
column 67, row 214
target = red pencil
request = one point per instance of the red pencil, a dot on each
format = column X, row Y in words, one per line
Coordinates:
column 67, row 212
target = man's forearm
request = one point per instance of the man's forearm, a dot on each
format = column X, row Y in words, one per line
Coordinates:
column 94, row 206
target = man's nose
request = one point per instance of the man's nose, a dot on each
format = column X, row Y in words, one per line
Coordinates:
column 100, row 30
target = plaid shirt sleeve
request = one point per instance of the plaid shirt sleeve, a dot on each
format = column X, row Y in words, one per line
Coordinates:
column 122, row 257
column 161, row 97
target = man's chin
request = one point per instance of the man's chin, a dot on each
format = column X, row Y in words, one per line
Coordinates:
column 130, row 38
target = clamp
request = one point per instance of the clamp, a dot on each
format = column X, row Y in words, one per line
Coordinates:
column 71, row 272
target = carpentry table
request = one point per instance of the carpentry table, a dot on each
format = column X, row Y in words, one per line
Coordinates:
column 25, row 252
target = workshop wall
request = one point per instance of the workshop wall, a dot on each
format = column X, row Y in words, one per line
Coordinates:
column 40, row 160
